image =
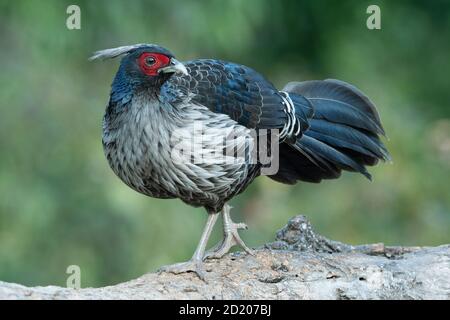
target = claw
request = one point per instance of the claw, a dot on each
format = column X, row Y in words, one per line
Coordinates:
column 183, row 267
column 231, row 238
column 241, row 225
column 196, row 262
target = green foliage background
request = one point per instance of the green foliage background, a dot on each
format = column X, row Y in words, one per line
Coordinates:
column 60, row 204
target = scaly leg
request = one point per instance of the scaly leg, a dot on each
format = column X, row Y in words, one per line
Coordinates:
column 231, row 236
column 196, row 262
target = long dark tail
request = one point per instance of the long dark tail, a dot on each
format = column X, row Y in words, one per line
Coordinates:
column 343, row 133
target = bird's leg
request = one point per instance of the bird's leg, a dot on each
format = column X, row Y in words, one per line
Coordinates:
column 231, row 236
column 195, row 264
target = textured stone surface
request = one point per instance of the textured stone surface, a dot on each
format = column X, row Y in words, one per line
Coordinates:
column 299, row 264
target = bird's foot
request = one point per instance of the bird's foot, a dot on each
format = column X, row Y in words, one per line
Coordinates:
column 231, row 239
column 192, row 265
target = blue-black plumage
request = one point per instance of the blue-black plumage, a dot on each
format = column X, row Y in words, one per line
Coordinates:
column 323, row 127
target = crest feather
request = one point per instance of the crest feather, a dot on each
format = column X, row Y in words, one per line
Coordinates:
column 115, row 52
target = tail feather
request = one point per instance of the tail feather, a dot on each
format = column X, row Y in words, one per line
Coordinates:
column 298, row 166
column 304, row 110
column 337, row 101
column 347, row 137
column 324, row 151
column 342, row 132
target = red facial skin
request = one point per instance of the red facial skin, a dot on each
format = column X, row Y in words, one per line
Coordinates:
column 152, row 70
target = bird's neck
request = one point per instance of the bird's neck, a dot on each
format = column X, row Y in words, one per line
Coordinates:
column 124, row 88
column 141, row 108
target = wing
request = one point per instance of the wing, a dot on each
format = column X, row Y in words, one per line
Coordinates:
column 228, row 88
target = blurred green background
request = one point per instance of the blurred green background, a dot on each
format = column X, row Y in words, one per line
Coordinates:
column 60, row 204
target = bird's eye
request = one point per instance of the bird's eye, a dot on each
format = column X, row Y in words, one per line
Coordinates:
column 149, row 61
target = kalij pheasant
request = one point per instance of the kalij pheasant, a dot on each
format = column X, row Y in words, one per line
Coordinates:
column 323, row 127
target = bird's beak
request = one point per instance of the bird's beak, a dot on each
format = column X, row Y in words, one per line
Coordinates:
column 174, row 67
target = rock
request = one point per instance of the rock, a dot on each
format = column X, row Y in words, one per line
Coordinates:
column 299, row 264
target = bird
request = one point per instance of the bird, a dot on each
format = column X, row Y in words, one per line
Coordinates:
column 158, row 105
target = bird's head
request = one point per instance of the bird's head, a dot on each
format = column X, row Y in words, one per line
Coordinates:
column 143, row 67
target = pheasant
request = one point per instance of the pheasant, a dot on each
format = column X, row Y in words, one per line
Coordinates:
column 159, row 105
